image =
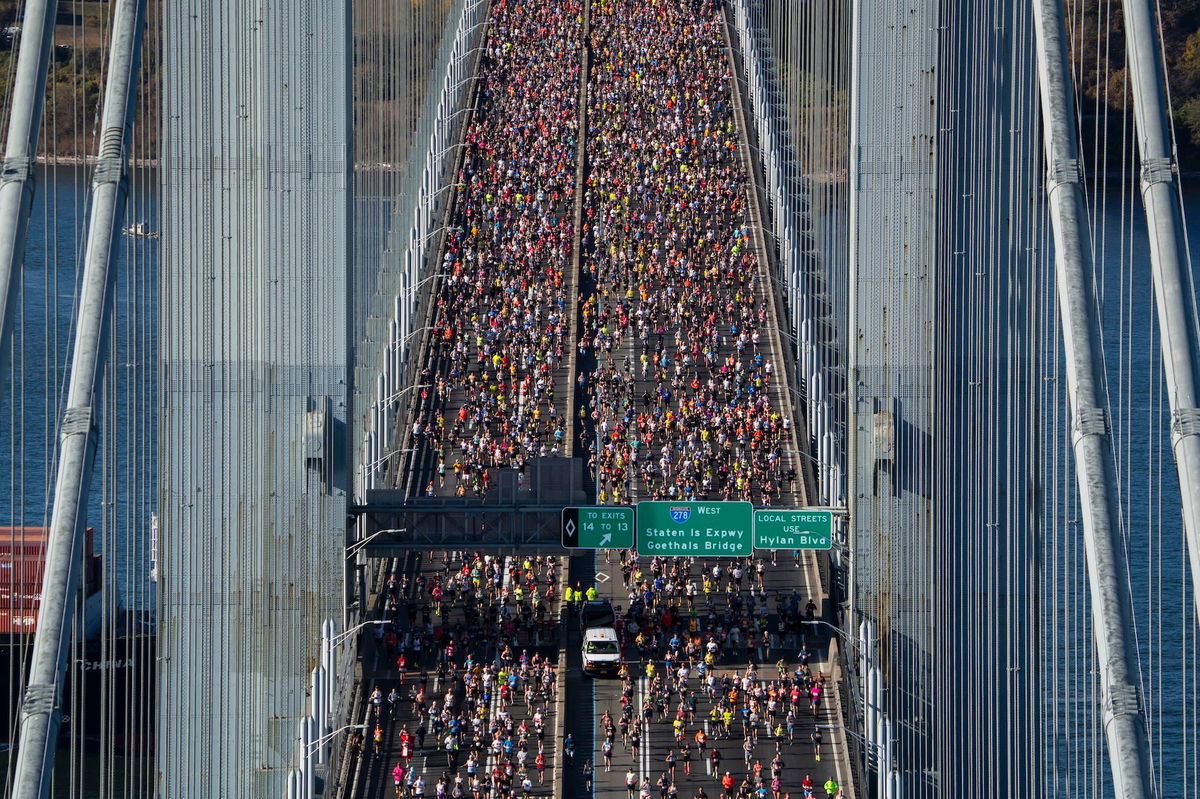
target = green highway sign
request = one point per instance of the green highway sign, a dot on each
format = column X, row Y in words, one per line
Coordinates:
column 705, row 529
column 597, row 527
column 793, row 528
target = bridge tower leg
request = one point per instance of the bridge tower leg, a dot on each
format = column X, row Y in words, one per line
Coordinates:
column 41, row 709
column 1112, row 611
column 16, row 176
column 1171, row 272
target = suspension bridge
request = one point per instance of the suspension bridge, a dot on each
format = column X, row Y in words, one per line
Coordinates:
column 325, row 324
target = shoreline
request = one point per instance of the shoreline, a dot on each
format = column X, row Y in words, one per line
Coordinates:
column 89, row 160
column 152, row 163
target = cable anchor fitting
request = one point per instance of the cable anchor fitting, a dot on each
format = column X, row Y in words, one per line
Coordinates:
column 1089, row 422
column 1185, row 422
column 109, row 170
column 1123, row 701
column 17, row 169
column 39, row 700
column 1157, row 170
column 76, row 421
column 1063, row 172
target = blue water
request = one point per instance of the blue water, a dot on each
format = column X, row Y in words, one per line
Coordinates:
column 122, row 503
column 123, row 483
column 1159, row 579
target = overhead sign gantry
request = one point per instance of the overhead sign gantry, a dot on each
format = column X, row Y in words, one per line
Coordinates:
column 704, row 529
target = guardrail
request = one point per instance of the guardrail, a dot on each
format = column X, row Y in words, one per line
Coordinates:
column 560, row 684
column 402, row 301
column 406, row 465
column 770, row 256
column 796, row 264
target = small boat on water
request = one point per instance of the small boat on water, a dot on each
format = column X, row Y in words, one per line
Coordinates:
column 138, row 230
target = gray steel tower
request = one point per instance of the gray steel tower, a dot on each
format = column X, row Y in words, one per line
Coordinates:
column 946, row 393
column 256, row 196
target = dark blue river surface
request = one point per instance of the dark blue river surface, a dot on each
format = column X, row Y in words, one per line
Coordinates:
column 123, row 493
column 123, row 484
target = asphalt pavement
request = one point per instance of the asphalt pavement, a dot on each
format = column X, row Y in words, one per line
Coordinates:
column 380, row 670
column 587, row 700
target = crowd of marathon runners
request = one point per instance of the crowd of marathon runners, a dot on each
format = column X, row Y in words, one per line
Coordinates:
column 489, row 398
column 674, row 316
column 676, row 404
column 467, row 711
column 677, row 321
column 687, row 621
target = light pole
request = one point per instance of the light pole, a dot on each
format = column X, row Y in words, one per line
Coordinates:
column 467, row 79
column 302, row 781
column 403, row 342
column 410, row 387
column 878, row 727
column 339, row 639
column 354, row 548
column 375, row 463
column 311, row 745
column 459, row 111
column 842, row 635
column 396, row 397
column 427, row 199
column 325, row 675
column 421, row 241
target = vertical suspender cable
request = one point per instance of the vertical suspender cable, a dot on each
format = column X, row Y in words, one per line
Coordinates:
column 16, row 178
column 41, row 708
column 1095, row 471
column 1168, row 263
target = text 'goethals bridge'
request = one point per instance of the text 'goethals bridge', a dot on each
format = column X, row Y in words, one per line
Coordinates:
column 787, row 340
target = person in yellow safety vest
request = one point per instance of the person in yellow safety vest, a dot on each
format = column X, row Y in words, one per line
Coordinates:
column 569, row 595
column 592, row 593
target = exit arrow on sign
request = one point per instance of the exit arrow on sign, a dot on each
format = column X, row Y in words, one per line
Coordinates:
column 793, row 528
column 598, row 527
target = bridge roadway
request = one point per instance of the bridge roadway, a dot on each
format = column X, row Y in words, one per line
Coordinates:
column 665, row 294
column 416, row 616
column 493, row 301
column 588, row 699
column 493, row 393
column 680, row 334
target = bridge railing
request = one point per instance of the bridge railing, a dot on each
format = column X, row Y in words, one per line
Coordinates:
column 393, row 333
column 385, row 362
column 796, row 263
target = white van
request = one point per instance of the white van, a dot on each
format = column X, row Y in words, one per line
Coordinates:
column 601, row 651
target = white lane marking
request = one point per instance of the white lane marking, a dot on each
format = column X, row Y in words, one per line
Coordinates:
column 646, row 741
column 640, row 727
column 494, row 701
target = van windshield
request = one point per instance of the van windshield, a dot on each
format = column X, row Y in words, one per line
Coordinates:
column 597, row 617
column 602, row 648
